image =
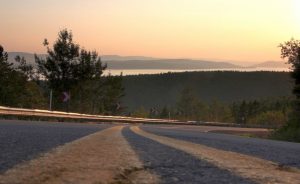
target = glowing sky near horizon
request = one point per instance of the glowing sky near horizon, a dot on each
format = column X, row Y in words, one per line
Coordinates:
column 235, row 30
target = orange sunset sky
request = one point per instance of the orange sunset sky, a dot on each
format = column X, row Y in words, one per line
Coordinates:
column 233, row 30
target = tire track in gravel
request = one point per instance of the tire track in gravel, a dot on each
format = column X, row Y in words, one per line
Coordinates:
column 281, row 152
column 102, row 157
column 255, row 169
column 24, row 140
column 176, row 167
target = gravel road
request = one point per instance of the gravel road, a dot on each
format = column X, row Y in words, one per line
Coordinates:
column 174, row 166
column 171, row 163
column 24, row 140
column 283, row 153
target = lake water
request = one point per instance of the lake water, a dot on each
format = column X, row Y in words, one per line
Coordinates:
column 159, row 71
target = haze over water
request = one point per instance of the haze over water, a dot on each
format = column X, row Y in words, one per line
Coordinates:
column 157, row 71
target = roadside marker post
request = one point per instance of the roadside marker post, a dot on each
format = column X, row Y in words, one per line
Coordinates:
column 66, row 99
column 51, row 97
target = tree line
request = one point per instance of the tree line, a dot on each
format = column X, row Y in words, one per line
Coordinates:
column 68, row 70
column 270, row 112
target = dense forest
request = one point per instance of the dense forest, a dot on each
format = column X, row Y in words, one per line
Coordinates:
column 256, row 98
column 157, row 91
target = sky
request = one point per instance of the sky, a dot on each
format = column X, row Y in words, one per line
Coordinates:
column 231, row 30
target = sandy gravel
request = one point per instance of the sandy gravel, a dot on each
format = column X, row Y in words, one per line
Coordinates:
column 102, row 157
column 214, row 128
column 249, row 167
column 178, row 167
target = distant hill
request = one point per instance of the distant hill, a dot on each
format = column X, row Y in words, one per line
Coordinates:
column 116, row 62
column 140, row 62
column 125, row 58
column 161, row 90
column 180, row 64
column 28, row 56
column 271, row 64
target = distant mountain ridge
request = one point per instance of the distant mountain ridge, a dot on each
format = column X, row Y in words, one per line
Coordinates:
column 116, row 62
column 125, row 58
column 271, row 64
column 172, row 64
column 141, row 62
column 30, row 57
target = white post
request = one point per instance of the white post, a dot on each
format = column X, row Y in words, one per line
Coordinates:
column 50, row 103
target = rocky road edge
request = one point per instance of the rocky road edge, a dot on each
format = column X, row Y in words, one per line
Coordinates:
column 104, row 157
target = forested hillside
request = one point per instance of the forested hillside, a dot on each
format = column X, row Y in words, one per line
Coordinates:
column 157, row 91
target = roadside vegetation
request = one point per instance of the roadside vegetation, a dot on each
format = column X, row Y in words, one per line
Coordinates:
column 67, row 70
column 272, row 112
column 291, row 130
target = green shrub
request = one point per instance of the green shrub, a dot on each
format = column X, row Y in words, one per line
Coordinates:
column 140, row 113
column 289, row 132
column 272, row 118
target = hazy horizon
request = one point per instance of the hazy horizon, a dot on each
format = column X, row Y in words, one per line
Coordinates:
column 233, row 30
column 241, row 63
column 146, row 56
column 135, row 65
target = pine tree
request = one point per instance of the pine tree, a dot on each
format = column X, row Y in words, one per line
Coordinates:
column 15, row 89
column 5, row 73
column 291, row 50
column 291, row 131
column 59, row 66
column 68, row 68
